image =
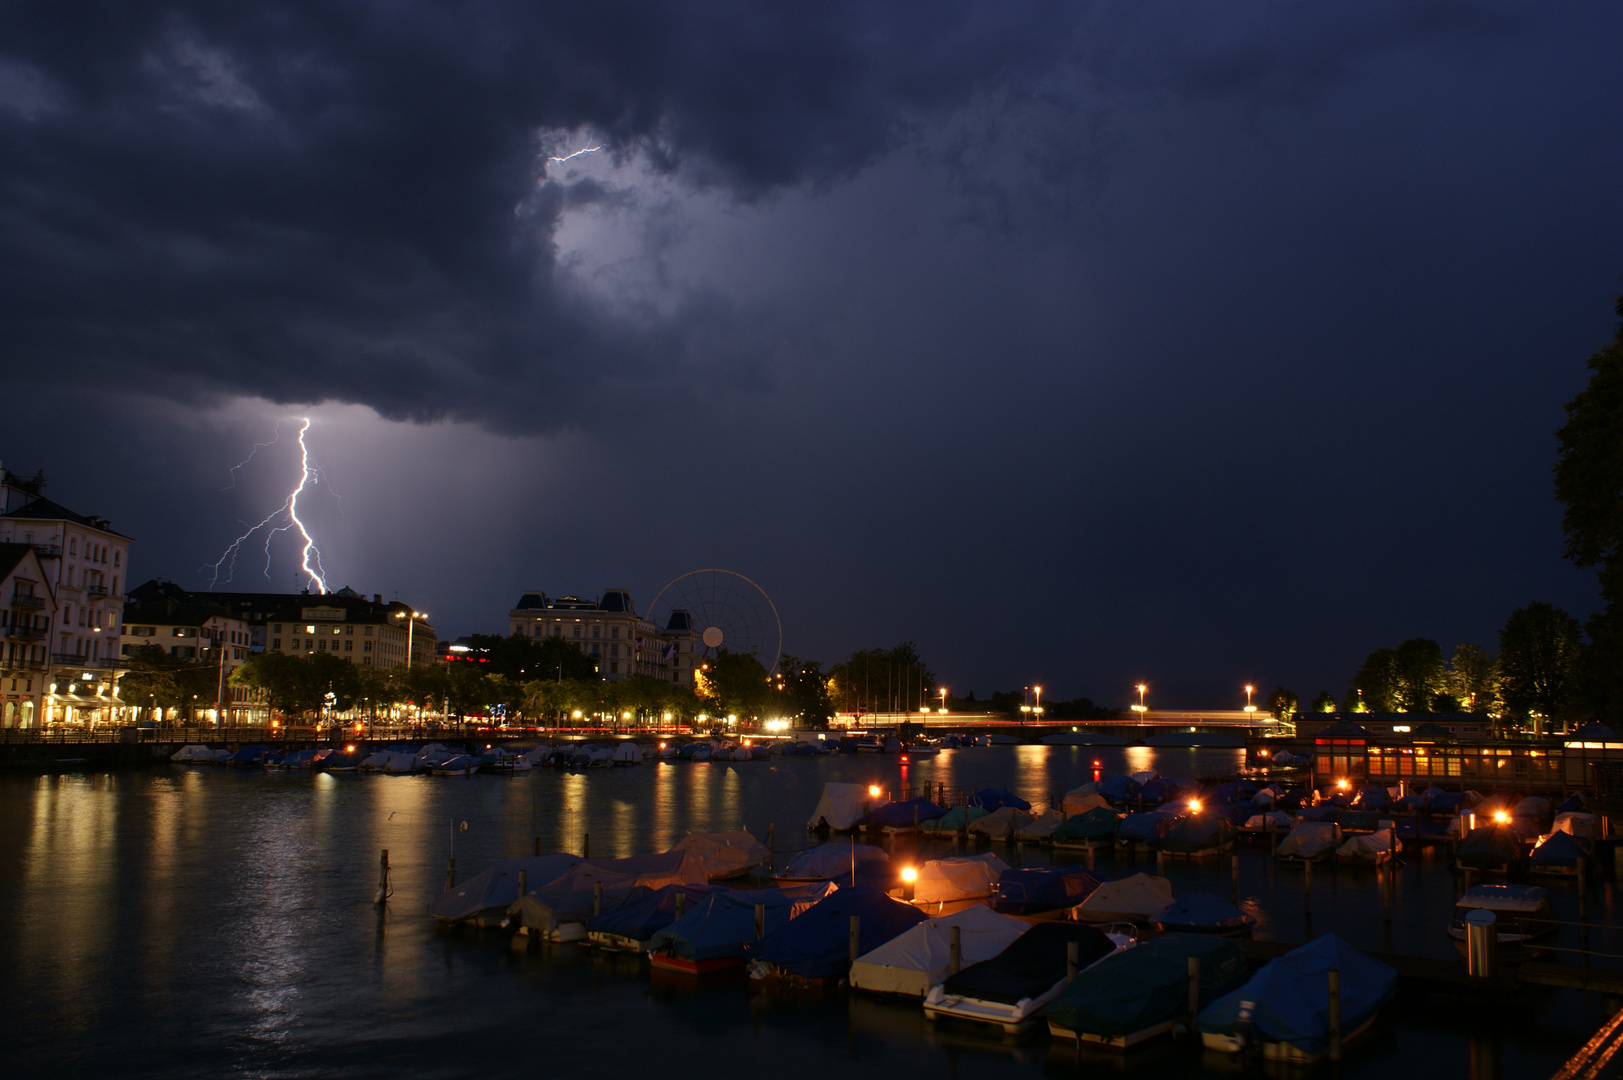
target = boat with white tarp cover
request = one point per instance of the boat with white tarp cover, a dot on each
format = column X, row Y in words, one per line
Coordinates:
column 1010, row 989
column 920, row 958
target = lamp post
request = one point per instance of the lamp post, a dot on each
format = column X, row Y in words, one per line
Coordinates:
column 943, row 699
column 411, row 625
column 1038, row 710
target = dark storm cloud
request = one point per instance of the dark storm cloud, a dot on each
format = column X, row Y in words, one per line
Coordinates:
column 346, row 201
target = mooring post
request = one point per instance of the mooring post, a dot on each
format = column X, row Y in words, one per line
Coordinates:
column 536, row 850
column 597, row 899
column 586, row 845
column 1160, row 863
column 523, row 883
column 1073, row 958
column 955, row 950
column 1335, row 1015
column 680, row 896
column 450, row 874
column 383, row 878
column 856, row 937
column 760, row 921
column 1481, row 943
column 1091, row 849
column 1194, row 995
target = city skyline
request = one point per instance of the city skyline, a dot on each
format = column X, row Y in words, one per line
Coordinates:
column 1076, row 346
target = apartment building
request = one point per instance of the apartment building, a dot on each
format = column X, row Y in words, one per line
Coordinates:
column 27, row 609
column 620, row 642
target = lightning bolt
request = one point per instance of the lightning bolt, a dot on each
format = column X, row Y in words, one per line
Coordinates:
column 576, row 154
column 289, row 510
column 275, row 438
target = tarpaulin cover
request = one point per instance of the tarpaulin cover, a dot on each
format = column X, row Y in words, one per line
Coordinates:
column 1202, row 913
column 1574, row 804
column 1492, row 847
column 1147, row 985
column 1119, row 789
column 1030, row 890
column 1357, row 820
column 192, row 752
column 1561, row 850
column 639, row 918
column 990, row 799
column 1292, row 800
column 900, row 815
column 1163, row 790
column 817, row 945
column 1370, row 798
column 1281, row 821
column 724, row 854
column 1523, row 899
column 496, row 887
column 1096, row 824
column 1533, row 806
column 1578, row 824
column 1145, row 828
column 1132, row 899
column 1413, row 828
column 918, row 959
column 1233, row 791
column 1323, row 812
column 570, row 896
column 1000, row 824
column 1290, row 996
column 248, row 755
column 841, row 807
column 722, row 924
column 1197, row 832
column 1031, row 965
column 953, row 820
column 966, row 878
column 1445, row 802
column 1368, row 847
column 831, row 861
column 1039, row 826
column 1077, row 802
column 1309, row 840
column 569, row 902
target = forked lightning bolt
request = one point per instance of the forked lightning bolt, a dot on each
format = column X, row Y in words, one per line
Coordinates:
column 288, row 512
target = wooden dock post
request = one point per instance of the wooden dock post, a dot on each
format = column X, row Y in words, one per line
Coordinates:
column 1160, row 863
column 1335, row 1015
column 1090, row 854
column 383, row 878
column 537, row 849
column 586, row 845
column 760, row 921
column 597, row 899
column 1073, row 959
column 856, row 937
column 955, row 950
column 450, row 874
column 1194, row 995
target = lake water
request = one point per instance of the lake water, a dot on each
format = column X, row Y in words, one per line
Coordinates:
column 183, row 922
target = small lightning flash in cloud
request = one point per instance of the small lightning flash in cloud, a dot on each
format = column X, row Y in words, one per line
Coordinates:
column 576, row 154
column 282, row 519
column 258, row 446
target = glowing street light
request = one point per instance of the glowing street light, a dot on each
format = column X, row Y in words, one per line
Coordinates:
column 1140, row 707
column 411, row 625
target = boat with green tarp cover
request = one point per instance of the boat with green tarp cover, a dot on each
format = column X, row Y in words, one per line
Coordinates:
column 1095, row 827
column 1138, row 994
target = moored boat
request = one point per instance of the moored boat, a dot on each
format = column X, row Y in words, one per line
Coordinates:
column 1010, row 989
column 1522, row 913
column 1139, row 994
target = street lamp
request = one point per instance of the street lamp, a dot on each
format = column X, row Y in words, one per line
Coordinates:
column 1249, row 690
column 943, row 699
column 1038, row 711
column 411, row 624
column 1140, row 707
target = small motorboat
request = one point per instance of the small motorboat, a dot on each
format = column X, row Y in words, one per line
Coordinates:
column 1135, row 899
column 1557, row 855
column 1144, row 831
column 460, row 765
column 1284, row 1006
column 1035, row 891
column 1199, row 835
column 964, row 877
column 629, row 927
column 920, row 958
column 1310, row 842
column 816, row 947
column 725, row 855
column 1492, row 849
column 1522, row 913
column 836, row 861
column 1371, row 849
column 1203, row 913
column 1093, row 828
column 1010, row 989
column 193, row 754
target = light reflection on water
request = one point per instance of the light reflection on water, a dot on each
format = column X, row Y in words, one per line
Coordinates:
column 190, row 922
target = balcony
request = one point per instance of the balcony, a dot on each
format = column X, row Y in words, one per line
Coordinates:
column 96, row 589
column 17, row 663
column 25, row 633
column 27, row 600
column 83, row 663
column 48, row 551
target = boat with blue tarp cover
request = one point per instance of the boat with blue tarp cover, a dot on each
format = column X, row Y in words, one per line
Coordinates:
column 1557, row 855
column 1091, row 828
column 1144, row 830
column 816, row 946
column 1286, row 1005
column 1203, row 913
column 1491, row 849
column 990, row 799
column 484, row 898
column 633, row 923
column 1037, row 890
column 1139, row 994
column 712, row 934
column 1119, row 789
column 1197, row 835
column 903, row 816
column 1010, row 989
column 847, row 862
column 957, row 819
column 248, row 756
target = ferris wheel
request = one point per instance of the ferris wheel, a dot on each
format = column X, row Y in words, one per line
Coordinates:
column 727, row 611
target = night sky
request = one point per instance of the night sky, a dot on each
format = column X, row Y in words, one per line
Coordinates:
column 1195, row 344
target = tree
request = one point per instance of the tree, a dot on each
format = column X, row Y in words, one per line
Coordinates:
column 1324, row 702
column 735, row 684
column 524, row 658
column 882, row 680
column 1539, row 652
column 1469, row 679
column 1283, row 704
column 156, row 678
column 1588, row 480
column 1417, row 666
column 1375, row 687
column 802, row 690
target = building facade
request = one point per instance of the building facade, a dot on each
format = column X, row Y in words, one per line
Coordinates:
column 84, row 564
column 27, row 610
column 205, row 635
column 371, row 633
column 608, row 630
